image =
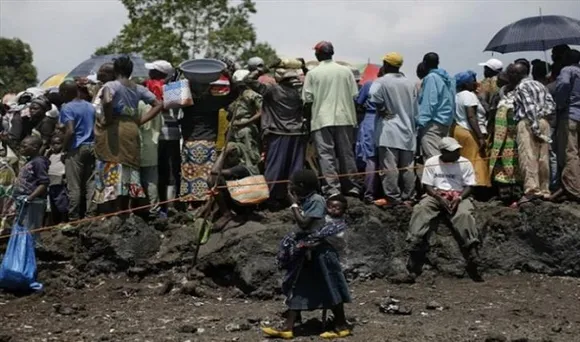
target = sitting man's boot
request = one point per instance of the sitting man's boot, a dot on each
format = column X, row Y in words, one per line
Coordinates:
column 473, row 263
column 414, row 268
column 415, row 263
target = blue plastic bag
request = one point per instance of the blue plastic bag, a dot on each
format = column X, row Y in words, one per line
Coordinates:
column 18, row 269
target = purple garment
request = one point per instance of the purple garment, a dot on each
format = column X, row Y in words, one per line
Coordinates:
column 126, row 98
column 364, row 98
column 365, row 143
column 58, row 198
column 31, row 175
column 285, row 156
column 371, row 180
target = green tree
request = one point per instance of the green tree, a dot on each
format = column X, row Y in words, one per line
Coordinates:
column 16, row 69
column 264, row 50
column 176, row 30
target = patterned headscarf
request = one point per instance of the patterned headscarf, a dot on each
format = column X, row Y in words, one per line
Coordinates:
column 43, row 102
column 230, row 64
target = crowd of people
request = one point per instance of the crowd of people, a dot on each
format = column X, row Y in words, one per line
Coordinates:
column 102, row 143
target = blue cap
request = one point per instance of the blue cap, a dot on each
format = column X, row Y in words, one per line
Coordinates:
column 464, row 78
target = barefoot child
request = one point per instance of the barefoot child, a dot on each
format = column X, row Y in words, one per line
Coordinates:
column 57, row 194
column 31, row 184
column 315, row 282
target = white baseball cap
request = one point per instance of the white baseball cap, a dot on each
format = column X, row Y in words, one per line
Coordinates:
column 239, row 75
column 161, row 66
column 493, row 64
column 449, row 144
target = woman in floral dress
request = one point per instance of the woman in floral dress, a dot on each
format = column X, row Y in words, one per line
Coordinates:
column 117, row 143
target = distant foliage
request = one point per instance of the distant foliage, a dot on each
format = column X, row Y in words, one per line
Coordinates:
column 16, row 70
column 176, row 30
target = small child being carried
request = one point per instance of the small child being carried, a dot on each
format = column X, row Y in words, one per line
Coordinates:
column 319, row 221
column 333, row 231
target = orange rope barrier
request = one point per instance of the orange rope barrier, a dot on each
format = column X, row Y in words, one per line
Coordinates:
column 213, row 193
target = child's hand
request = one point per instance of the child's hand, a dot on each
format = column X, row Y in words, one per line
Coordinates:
column 292, row 197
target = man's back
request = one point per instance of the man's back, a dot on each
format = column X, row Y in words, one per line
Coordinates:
column 437, row 99
column 282, row 110
column 83, row 114
column 331, row 88
column 567, row 92
column 397, row 96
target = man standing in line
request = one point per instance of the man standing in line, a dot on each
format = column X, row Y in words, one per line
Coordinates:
column 329, row 92
column 567, row 96
column 78, row 116
column 436, row 106
column 395, row 97
column 533, row 104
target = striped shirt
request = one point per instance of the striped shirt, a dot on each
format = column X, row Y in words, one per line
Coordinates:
column 170, row 128
column 533, row 102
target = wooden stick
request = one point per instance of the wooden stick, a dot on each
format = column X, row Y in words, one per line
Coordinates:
column 206, row 210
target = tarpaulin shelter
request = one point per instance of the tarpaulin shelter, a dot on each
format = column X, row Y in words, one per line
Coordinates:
column 368, row 72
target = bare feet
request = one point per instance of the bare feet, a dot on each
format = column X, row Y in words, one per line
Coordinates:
column 221, row 223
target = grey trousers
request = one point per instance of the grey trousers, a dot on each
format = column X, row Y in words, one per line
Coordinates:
column 398, row 183
column 80, row 169
column 336, row 156
column 428, row 209
column 430, row 138
column 149, row 181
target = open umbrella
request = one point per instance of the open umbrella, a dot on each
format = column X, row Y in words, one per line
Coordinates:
column 92, row 65
column 539, row 33
column 52, row 81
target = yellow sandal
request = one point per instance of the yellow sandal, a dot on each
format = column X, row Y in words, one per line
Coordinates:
column 330, row 335
column 270, row 332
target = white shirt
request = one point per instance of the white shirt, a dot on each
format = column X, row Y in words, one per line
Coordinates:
column 465, row 99
column 448, row 176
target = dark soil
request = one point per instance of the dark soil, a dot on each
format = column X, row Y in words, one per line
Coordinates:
column 126, row 280
column 507, row 308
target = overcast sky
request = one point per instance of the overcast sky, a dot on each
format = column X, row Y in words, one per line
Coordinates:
column 63, row 33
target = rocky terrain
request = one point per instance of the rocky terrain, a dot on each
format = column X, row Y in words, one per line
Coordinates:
column 126, row 280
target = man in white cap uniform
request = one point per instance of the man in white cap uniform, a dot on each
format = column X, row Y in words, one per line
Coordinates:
column 448, row 179
column 488, row 86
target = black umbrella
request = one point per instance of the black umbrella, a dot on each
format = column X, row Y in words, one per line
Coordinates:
column 92, row 65
column 539, row 33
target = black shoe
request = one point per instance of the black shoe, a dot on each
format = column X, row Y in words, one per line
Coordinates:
column 415, row 263
column 472, row 265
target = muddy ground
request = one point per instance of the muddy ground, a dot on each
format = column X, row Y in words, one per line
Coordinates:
column 506, row 308
column 128, row 280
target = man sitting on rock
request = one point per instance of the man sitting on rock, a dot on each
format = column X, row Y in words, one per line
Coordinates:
column 448, row 179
